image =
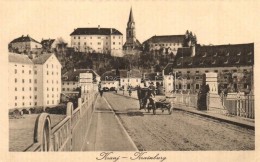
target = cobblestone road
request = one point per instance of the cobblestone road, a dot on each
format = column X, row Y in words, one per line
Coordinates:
column 179, row 131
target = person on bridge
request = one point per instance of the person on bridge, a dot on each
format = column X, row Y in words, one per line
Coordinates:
column 151, row 94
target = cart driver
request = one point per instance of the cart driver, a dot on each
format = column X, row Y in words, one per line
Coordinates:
column 151, row 94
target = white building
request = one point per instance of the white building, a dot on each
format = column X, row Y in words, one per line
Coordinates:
column 130, row 78
column 70, row 79
column 97, row 40
column 35, row 82
column 24, row 44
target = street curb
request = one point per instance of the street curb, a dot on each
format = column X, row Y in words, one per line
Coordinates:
column 122, row 127
column 252, row 127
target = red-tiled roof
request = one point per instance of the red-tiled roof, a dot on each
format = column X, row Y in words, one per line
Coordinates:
column 19, row 58
column 96, row 31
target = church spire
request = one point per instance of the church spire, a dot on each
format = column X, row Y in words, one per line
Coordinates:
column 131, row 17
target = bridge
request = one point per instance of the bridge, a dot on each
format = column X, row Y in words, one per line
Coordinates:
column 115, row 123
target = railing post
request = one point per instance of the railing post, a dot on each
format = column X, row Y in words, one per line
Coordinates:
column 80, row 107
column 42, row 132
column 69, row 111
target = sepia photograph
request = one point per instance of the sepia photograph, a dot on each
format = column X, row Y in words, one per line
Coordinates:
column 130, row 80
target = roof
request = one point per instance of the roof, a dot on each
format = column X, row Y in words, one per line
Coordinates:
column 47, row 42
column 42, row 58
column 19, row 58
column 24, row 39
column 217, row 56
column 168, row 69
column 166, row 39
column 131, row 17
column 96, row 31
column 183, row 52
column 73, row 75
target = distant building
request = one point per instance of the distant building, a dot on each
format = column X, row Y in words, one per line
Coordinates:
column 234, row 65
column 97, row 40
column 24, row 44
column 130, row 78
column 164, row 44
column 155, row 77
column 132, row 42
column 71, row 79
column 110, row 79
column 35, row 82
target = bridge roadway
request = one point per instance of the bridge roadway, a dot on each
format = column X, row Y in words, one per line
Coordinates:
column 178, row 131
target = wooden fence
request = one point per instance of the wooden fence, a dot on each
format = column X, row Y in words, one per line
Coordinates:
column 68, row 134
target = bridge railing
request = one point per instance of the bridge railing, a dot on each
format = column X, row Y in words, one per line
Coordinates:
column 68, row 134
column 189, row 100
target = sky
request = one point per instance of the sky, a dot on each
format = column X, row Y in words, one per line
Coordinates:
column 213, row 22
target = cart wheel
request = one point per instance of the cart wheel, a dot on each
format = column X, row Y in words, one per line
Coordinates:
column 170, row 110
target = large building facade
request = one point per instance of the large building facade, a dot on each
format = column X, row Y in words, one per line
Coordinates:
column 234, row 65
column 97, row 40
column 34, row 82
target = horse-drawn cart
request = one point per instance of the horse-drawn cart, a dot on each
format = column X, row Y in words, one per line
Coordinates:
column 149, row 103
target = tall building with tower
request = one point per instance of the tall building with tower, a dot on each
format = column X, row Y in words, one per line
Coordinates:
column 131, row 42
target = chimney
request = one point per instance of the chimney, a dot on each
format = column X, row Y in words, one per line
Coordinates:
column 192, row 48
column 98, row 26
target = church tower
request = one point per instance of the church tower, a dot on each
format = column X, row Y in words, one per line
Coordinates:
column 131, row 41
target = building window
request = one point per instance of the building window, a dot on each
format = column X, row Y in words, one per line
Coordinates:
column 30, row 88
column 15, row 97
column 197, row 77
column 35, row 97
column 35, row 72
column 47, row 89
column 35, row 80
column 35, row 88
column 68, row 83
column 15, row 104
column 15, row 71
column 74, row 37
column 179, row 86
column 47, row 73
column 23, row 97
column 47, row 102
column 52, row 89
column 119, row 43
column 52, row 101
column 78, row 37
column 114, row 43
column 23, row 103
column 188, row 72
column 35, row 103
column 216, row 71
column 197, row 86
column 15, row 88
column 90, row 37
column 23, row 89
column 169, row 84
column 245, row 86
column 63, row 89
column 78, row 43
column 197, row 72
column 22, row 80
column 47, row 95
column 22, row 71
column 15, row 80
column 188, row 86
column 30, row 71
column 68, row 89
column 206, row 71
column 85, row 43
column 99, row 43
